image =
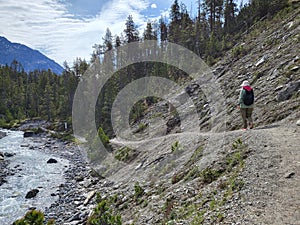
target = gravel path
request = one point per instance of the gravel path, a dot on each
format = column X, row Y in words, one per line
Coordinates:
column 272, row 178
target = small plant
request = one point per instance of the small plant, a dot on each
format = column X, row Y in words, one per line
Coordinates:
column 239, row 51
column 177, row 177
column 198, row 153
column 141, row 128
column 138, row 191
column 103, row 137
column 192, row 174
column 199, row 218
column 213, row 204
column 168, row 208
column 123, row 154
column 210, row 175
column 175, row 147
column 33, row 217
column 102, row 214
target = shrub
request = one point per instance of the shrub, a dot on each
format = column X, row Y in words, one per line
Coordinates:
column 138, row 191
column 210, row 175
column 141, row 128
column 175, row 146
column 239, row 51
column 103, row 137
column 103, row 215
column 123, row 154
column 33, row 217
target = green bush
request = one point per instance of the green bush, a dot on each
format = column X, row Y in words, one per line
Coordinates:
column 138, row 191
column 239, row 51
column 123, row 154
column 103, row 137
column 33, row 217
column 210, row 175
column 175, row 146
column 103, row 215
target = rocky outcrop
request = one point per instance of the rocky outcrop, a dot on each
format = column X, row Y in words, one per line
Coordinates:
column 287, row 92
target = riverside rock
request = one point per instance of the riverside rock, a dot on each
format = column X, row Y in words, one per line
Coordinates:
column 32, row 193
column 28, row 133
column 51, row 161
column 2, row 134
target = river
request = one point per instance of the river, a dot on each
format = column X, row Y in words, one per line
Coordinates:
column 31, row 172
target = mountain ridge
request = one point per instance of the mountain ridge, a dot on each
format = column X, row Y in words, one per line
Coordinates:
column 29, row 58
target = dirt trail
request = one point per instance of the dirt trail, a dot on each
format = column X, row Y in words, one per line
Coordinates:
column 271, row 194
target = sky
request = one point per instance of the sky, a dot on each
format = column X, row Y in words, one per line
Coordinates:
column 66, row 29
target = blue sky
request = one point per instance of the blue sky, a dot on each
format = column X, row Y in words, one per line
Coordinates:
column 66, row 29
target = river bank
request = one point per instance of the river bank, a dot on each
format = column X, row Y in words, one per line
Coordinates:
column 69, row 195
column 3, row 163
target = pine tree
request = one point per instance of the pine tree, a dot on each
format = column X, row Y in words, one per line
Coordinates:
column 229, row 16
column 131, row 32
column 163, row 30
column 174, row 26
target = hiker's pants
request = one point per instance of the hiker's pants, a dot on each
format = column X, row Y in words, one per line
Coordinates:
column 246, row 116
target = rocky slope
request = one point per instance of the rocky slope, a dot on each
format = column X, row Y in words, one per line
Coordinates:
column 229, row 177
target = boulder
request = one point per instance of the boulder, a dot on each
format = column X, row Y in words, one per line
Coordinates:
column 2, row 134
column 52, row 161
column 32, row 193
column 28, row 133
column 8, row 154
column 298, row 123
column 288, row 91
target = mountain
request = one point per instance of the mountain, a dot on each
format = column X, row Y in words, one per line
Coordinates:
column 30, row 59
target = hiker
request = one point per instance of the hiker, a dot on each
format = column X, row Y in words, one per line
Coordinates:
column 245, row 104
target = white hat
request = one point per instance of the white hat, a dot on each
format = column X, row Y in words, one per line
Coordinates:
column 245, row 83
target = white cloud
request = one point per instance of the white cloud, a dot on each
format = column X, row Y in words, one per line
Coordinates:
column 153, row 6
column 46, row 25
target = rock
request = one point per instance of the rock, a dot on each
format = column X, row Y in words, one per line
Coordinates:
column 76, row 217
column 52, row 160
column 289, row 175
column 288, row 91
column 28, row 133
column 298, row 123
column 32, row 193
column 2, row 134
column 8, row 154
column 79, row 178
column 89, row 197
column 261, row 61
column 295, row 68
column 24, row 145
